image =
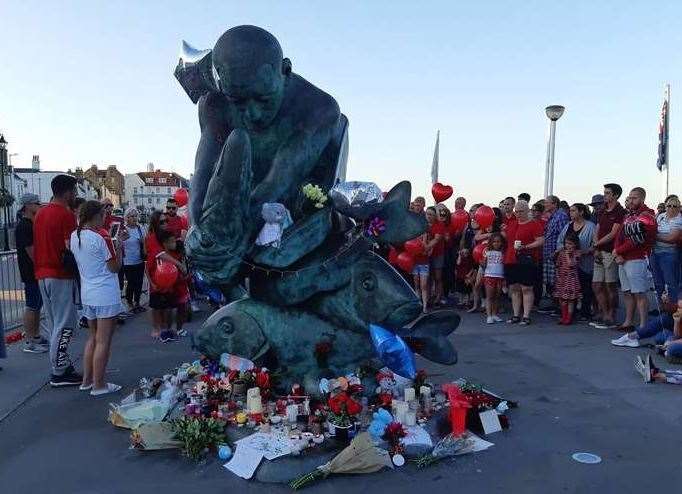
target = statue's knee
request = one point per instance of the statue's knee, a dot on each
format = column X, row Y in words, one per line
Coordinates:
column 238, row 140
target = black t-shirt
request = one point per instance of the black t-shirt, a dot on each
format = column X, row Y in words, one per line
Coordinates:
column 24, row 238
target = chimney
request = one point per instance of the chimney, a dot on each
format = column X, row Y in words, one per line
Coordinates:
column 150, row 167
column 35, row 163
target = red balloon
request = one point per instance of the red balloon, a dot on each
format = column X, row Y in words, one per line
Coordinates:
column 478, row 251
column 181, row 196
column 647, row 219
column 393, row 256
column 484, row 216
column 414, row 247
column 405, row 262
column 441, row 192
column 459, row 220
column 166, row 275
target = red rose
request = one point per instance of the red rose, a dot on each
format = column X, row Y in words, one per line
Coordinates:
column 263, row 380
column 353, row 407
column 336, row 403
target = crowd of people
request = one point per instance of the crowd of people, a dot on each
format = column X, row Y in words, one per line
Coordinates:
column 80, row 262
column 576, row 262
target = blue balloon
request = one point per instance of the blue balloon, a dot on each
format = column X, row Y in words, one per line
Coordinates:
column 393, row 351
column 380, row 420
column 225, row 452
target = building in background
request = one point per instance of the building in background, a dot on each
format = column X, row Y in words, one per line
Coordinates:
column 109, row 182
column 150, row 190
column 37, row 181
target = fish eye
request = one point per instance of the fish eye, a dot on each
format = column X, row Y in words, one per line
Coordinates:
column 227, row 327
column 368, row 282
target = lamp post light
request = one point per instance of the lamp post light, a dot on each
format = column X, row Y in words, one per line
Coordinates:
column 554, row 113
column 3, row 168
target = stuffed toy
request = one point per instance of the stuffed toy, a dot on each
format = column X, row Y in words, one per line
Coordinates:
column 277, row 219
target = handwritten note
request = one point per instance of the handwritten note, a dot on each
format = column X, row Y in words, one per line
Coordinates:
column 244, row 462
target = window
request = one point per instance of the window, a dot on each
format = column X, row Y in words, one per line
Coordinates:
column 157, row 190
column 158, row 200
column 162, row 180
column 169, row 190
column 149, row 180
column 137, row 201
column 149, row 200
column 134, row 190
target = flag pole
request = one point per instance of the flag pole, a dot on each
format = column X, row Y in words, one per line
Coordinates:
column 667, row 144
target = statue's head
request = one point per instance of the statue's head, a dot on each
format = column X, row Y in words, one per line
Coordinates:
column 252, row 73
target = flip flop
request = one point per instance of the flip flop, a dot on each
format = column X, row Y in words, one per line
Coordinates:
column 109, row 388
column 85, row 387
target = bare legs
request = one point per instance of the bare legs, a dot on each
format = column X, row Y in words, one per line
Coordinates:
column 528, row 299
column 630, row 304
column 97, row 351
column 31, row 323
column 492, row 297
column 516, row 298
column 438, row 283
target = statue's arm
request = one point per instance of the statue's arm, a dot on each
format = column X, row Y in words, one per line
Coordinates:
column 214, row 129
column 296, row 157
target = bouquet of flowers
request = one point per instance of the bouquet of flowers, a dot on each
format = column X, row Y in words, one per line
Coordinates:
column 197, row 434
column 343, row 409
column 393, row 435
column 315, row 194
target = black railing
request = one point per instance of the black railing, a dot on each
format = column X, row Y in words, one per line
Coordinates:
column 11, row 290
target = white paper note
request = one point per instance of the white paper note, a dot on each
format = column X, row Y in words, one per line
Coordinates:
column 490, row 421
column 417, row 435
column 244, row 462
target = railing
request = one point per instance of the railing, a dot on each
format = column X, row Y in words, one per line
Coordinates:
column 11, row 290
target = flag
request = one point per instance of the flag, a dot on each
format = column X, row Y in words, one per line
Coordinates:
column 434, row 165
column 662, row 161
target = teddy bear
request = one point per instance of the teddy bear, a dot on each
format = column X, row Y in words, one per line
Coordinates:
column 277, row 219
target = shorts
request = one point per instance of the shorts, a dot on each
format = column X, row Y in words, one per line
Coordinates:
column 91, row 312
column 605, row 271
column 635, row 276
column 420, row 269
column 438, row 262
column 34, row 301
column 521, row 274
column 493, row 282
column 161, row 300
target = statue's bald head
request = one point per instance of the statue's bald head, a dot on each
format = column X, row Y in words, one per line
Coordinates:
column 252, row 73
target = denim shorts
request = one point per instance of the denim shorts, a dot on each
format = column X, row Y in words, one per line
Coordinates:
column 420, row 269
column 34, row 301
column 91, row 312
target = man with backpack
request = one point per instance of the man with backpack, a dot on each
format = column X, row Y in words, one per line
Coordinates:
column 52, row 229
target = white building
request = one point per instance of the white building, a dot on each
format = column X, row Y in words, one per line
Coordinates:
column 150, row 190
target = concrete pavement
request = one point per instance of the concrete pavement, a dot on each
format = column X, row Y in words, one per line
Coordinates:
column 575, row 391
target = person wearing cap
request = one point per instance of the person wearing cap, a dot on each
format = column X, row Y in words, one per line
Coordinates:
column 605, row 273
column 34, row 342
column 597, row 205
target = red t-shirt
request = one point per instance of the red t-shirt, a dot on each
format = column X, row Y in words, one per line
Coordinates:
column 526, row 233
column 52, row 228
column 438, row 228
column 175, row 225
column 606, row 221
column 109, row 220
column 509, row 220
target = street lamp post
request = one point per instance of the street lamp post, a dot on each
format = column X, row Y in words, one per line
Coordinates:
column 554, row 113
column 3, row 167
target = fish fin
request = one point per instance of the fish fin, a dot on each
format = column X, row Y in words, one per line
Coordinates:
column 401, row 224
column 428, row 336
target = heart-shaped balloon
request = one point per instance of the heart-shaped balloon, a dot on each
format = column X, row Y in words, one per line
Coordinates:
column 405, row 262
column 441, row 192
column 414, row 247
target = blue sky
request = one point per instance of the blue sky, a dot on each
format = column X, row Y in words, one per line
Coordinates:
column 91, row 81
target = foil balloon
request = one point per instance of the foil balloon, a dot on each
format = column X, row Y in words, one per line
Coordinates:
column 393, row 351
column 204, row 288
column 195, row 72
column 441, row 192
column 359, row 200
column 393, row 254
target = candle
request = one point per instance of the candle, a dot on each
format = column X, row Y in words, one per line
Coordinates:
column 253, row 401
column 409, row 394
column 425, row 391
column 401, row 409
column 292, row 413
column 410, row 418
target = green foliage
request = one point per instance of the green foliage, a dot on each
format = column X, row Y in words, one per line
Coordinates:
column 197, row 434
column 6, row 199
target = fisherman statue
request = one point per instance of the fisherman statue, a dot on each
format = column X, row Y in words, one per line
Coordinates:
column 267, row 137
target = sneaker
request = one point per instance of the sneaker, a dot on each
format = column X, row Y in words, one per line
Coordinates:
column 514, row 320
column 596, row 322
column 182, row 333
column 606, row 325
column 69, row 378
column 36, row 346
column 626, row 340
column 83, row 323
column 497, row 319
column 109, row 388
column 643, row 369
column 167, row 336
column 525, row 321
column 490, row 320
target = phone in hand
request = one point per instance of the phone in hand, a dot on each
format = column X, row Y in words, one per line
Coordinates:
column 113, row 232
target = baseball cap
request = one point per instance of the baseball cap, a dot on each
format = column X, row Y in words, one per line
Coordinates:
column 597, row 199
column 29, row 198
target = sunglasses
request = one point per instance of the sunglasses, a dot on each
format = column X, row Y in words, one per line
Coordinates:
column 670, row 206
column 171, row 208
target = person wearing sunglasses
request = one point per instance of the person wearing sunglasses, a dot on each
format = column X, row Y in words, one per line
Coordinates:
column 175, row 223
column 665, row 261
